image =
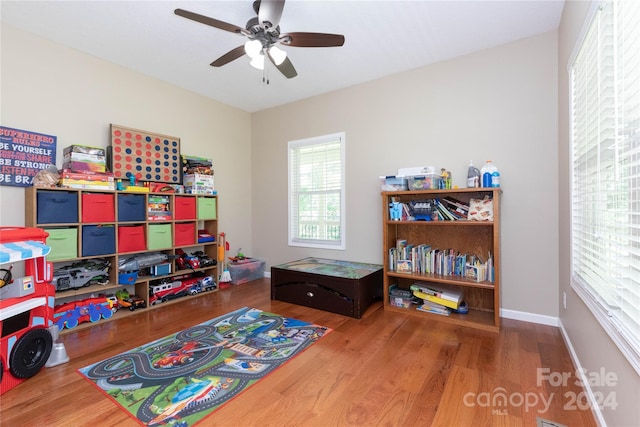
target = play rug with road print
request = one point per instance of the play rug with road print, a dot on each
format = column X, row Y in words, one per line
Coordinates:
column 180, row 379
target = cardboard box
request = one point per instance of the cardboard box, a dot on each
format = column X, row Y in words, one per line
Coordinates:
column 79, row 166
column 84, row 149
column 83, row 158
column 198, row 184
column 87, row 180
column 197, row 165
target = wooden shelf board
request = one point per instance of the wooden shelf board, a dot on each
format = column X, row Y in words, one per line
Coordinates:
column 125, row 312
column 475, row 318
column 443, row 223
column 450, row 280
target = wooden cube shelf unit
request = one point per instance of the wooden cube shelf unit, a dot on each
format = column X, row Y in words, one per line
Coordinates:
column 115, row 225
column 464, row 236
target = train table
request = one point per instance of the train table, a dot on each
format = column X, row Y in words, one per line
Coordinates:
column 342, row 287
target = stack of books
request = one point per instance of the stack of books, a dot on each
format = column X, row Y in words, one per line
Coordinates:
column 438, row 299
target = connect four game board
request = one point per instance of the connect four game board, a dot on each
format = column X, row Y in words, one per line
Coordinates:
column 145, row 155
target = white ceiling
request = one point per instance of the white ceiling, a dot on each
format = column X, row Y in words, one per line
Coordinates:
column 382, row 38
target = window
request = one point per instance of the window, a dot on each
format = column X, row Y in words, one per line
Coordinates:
column 316, row 192
column 605, row 193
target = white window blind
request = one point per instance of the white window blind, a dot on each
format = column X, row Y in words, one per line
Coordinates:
column 605, row 194
column 316, row 192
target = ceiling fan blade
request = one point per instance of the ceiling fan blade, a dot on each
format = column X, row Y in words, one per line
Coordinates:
column 209, row 21
column 229, row 56
column 311, row 39
column 285, row 67
column 270, row 13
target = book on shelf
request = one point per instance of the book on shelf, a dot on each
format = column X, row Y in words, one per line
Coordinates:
column 403, row 266
column 439, row 290
column 436, row 300
column 459, row 206
column 430, row 307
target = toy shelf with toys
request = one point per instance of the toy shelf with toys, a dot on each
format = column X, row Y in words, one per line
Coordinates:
column 106, row 241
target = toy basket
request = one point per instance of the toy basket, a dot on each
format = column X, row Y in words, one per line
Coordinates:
column 422, row 210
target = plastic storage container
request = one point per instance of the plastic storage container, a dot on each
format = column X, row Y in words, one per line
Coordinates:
column 424, row 182
column 246, row 271
column 393, row 183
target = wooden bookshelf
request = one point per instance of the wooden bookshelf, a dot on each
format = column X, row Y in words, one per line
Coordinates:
column 465, row 236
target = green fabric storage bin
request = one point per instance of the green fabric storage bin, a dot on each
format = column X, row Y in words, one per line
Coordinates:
column 207, row 208
column 159, row 236
column 63, row 243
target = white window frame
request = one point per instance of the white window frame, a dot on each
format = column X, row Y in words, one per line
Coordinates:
column 295, row 239
column 606, row 295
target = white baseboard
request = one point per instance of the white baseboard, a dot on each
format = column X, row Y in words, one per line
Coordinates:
column 529, row 317
column 595, row 408
column 267, row 275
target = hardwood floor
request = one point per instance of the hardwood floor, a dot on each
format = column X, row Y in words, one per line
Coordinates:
column 384, row 369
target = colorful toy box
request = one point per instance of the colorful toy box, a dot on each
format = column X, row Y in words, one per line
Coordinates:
column 198, row 184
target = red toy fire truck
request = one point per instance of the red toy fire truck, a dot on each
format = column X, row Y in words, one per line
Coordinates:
column 26, row 305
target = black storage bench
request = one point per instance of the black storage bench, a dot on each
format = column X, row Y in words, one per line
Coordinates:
column 342, row 287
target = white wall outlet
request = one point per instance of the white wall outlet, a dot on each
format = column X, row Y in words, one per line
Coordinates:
column 564, row 300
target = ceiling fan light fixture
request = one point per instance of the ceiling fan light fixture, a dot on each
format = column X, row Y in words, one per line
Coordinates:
column 253, row 48
column 277, row 54
column 257, row 62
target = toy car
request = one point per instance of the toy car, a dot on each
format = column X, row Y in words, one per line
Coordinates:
column 204, row 259
column 129, row 301
column 185, row 262
column 207, row 283
column 79, row 274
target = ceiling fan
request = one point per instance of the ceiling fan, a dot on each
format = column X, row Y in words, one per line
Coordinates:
column 264, row 34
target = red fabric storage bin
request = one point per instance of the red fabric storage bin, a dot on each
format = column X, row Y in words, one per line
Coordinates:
column 131, row 238
column 98, row 207
column 185, row 207
column 184, row 234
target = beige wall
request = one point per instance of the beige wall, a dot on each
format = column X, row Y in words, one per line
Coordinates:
column 51, row 89
column 593, row 347
column 498, row 104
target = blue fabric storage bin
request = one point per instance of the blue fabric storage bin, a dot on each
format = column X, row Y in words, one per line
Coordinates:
column 98, row 240
column 131, row 207
column 57, row 207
